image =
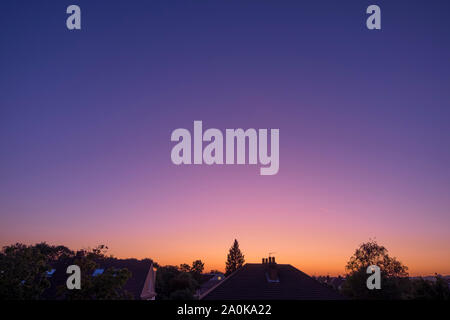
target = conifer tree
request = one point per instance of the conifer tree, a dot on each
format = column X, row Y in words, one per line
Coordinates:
column 235, row 259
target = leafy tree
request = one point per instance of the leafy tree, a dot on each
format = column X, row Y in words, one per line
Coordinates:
column 184, row 267
column 173, row 283
column 235, row 259
column 430, row 290
column 105, row 286
column 183, row 281
column 54, row 253
column 394, row 276
column 197, row 267
column 23, row 272
column 182, row 294
column 371, row 253
column 164, row 275
column 441, row 288
column 196, row 270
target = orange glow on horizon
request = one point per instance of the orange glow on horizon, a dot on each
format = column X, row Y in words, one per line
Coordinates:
column 302, row 232
column 314, row 258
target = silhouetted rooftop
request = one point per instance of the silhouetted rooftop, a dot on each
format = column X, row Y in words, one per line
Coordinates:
column 250, row 283
column 138, row 268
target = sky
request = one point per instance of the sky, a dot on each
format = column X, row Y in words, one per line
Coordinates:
column 86, row 118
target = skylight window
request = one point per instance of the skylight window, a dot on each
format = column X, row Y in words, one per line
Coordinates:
column 50, row 272
column 97, row 272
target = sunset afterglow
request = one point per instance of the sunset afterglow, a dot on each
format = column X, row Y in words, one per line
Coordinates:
column 86, row 121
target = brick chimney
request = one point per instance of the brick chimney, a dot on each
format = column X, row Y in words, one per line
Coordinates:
column 271, row 270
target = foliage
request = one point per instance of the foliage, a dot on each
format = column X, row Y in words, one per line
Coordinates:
column 371, row 253
column 23, row 271
column 430, row 290
column 105, row 286
column 394, row 276
column 235, row 259
column 197, row 266
column 182, row 294
column 174, row 283
column 184, row 267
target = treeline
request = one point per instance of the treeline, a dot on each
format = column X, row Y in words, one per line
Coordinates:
column 25, row 269
column 27, row 273
column 395, row 283
column 179, row 282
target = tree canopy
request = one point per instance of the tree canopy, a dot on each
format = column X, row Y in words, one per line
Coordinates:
column 105, row 286
column 394, row 275
column 173, row 283
column 24, row 270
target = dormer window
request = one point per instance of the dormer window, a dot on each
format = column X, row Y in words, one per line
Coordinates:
column 50, row 273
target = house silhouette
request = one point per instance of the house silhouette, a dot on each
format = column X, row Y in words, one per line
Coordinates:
column 270, row 281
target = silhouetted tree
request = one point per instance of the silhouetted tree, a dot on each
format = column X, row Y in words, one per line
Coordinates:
column 235, row 259
column 174, row 284
column 394, row 276
column 184, row 267
column 215, row 271
column 23, row 272
column 197, row 266
column 430, row 290
column 105, row 286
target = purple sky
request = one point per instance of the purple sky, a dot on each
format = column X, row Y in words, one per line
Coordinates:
column 86, row 118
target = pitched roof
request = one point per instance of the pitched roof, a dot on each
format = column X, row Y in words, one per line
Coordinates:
column 250, row 283
column 208, row 281
column 138, row 268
